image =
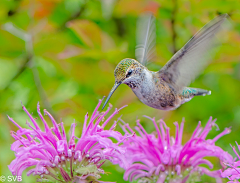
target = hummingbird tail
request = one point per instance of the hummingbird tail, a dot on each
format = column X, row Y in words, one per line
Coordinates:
column 190, row 92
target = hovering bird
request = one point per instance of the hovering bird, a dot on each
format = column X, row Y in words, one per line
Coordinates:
column 167, row 88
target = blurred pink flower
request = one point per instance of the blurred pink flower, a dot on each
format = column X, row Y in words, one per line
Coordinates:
column 57, row 159
column 159, row 157
column 233, row 170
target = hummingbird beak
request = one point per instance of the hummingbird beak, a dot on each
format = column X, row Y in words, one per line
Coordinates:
column 111, row 92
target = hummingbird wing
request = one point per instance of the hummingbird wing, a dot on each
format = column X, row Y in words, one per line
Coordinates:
column 186, row 64
column 146, row 38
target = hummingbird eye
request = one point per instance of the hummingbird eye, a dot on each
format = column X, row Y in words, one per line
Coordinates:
column 129, row 73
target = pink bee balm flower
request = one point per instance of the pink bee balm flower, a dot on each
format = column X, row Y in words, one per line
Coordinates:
column 233, row 170
column 54, row 158
column 161, row 158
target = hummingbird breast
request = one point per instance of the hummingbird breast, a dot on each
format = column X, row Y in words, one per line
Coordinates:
column 155, row 92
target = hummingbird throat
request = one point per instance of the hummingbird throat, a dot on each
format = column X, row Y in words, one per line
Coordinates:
column 132, row 84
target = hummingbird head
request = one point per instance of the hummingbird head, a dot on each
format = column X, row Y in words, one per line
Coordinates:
column 125, row 72
column 125, row 69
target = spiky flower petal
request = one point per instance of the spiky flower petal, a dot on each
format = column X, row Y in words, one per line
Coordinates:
column 233, row 170
column 162, row 158
column 55, row 159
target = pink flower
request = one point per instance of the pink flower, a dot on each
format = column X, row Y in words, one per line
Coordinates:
column 233, row 170
column 159, row 157
column 54, row 158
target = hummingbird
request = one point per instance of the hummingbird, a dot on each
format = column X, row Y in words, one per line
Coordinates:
column 167, row 88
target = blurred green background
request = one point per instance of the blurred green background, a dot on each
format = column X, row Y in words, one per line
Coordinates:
column 62, row 53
